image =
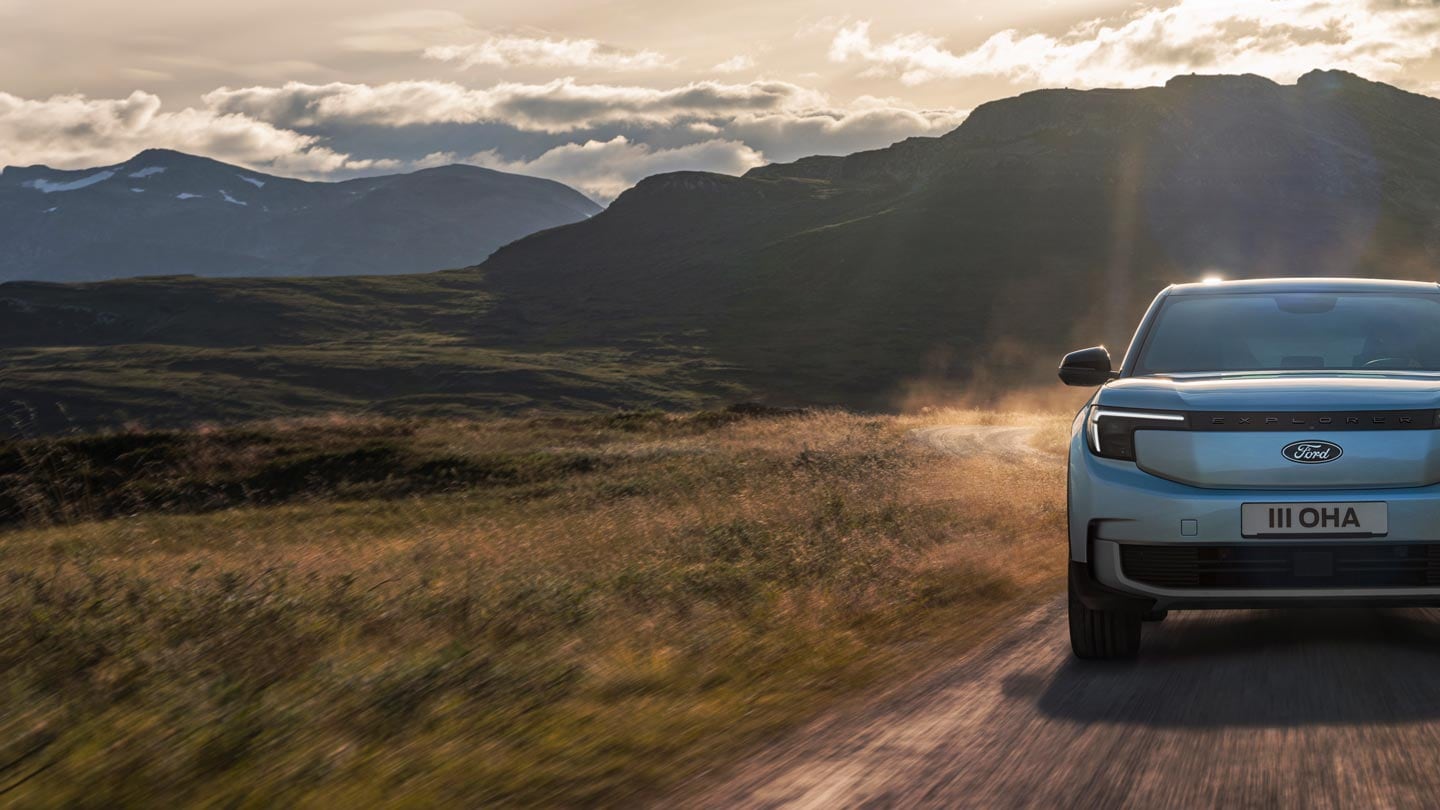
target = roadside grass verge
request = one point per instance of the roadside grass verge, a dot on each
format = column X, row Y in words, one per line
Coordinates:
column 558, row 611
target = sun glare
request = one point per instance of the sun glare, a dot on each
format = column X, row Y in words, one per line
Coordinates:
column 1211, row 279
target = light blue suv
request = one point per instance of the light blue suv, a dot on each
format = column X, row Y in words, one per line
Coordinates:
column 1264, row 443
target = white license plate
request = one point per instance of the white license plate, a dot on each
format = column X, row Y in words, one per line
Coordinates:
column 1266, row 519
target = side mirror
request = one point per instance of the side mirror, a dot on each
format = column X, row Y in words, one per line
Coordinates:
column 1087, row 367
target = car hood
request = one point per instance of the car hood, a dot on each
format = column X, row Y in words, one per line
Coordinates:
column 1307, row 391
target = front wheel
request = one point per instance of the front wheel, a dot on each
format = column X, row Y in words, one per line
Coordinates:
column 1103, row 634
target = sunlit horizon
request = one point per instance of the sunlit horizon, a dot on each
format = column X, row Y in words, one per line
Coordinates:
column 598, row 95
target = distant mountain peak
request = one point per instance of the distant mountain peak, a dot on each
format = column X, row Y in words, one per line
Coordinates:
column 459, row 168
column 163, row 156
column 1335, row 76
column 165, row 212
column 171, row 158
column 1225, row 82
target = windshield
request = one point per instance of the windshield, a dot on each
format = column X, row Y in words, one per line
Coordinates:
column 1293, row 331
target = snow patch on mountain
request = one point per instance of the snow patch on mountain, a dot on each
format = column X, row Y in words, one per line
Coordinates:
column 252, row 181
column 185, row 195
column 50, row 187
column 229, row 199
column 148, row 170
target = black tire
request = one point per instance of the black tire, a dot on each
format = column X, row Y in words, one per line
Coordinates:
column 1100, row 635
column 1155, row 615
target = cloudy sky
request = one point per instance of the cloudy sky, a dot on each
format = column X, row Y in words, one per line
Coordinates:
column 600, row 94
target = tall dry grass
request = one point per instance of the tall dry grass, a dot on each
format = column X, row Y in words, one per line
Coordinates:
column 521, row 611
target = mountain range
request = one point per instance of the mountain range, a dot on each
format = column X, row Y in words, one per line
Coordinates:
column 1044, row 222
column 165, row 212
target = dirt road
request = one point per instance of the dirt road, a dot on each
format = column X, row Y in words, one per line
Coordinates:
column 1313, row 709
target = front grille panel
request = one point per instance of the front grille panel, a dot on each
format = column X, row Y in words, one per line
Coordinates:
column 1369, row 565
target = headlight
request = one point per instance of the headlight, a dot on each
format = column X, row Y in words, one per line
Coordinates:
column 1112, row 431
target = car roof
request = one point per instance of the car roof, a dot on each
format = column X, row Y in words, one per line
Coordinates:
column 1300, row 285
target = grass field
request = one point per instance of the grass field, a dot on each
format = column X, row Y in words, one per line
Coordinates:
column 568, row 610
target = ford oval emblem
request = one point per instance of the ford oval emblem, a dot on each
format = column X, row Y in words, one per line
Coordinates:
column 1311, row 451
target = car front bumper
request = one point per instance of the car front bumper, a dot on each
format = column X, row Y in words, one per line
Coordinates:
column 1114, row 505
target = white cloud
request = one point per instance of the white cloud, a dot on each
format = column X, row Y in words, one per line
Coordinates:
column 516, row 51
column 706, row 126
column 447, row 36
column 77, row 132
column 401, row 31
column 737, row 125
column 786, row 118
column 1280, row 39
column 603, row 169
column 563, row 105
column 868, row 124
column 735, row 64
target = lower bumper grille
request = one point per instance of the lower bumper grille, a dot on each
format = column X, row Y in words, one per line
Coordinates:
column 1371, row 565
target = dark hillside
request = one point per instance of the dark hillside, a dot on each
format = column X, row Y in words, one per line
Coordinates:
column 1044, row 222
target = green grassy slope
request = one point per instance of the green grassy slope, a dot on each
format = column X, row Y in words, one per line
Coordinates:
column 168, row 351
